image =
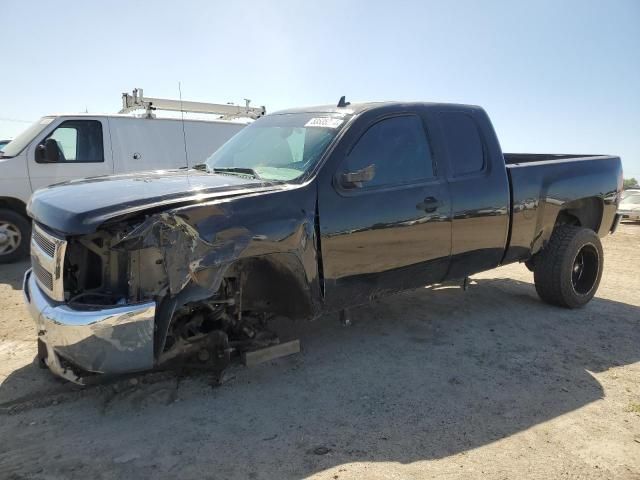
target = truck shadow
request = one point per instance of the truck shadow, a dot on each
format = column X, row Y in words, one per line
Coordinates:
column 422, row 375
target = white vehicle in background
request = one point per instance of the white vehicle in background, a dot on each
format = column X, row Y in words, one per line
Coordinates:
column 629, row 191
column 630, row 205
column 58, row 148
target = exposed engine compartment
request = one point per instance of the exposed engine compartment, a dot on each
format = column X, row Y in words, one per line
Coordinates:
column 202, row 327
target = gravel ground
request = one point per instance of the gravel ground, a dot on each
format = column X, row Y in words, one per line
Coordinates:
column 487, row 383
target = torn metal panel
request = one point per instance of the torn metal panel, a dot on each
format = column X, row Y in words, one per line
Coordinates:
column 184, row 252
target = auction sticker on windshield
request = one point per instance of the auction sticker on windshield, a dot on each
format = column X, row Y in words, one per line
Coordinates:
column 324, row 122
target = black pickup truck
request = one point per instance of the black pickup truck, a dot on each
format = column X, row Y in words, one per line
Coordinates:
column 303, row 212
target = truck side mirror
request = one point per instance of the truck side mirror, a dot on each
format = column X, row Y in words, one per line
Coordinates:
column 49, row 152
column 358, row 178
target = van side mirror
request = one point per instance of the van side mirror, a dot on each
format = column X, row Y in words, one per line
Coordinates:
column 49, row 152
column 358, row 178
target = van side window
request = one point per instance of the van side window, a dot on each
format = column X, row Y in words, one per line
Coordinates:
column 79, row 141
column 397, row 148
column 464, row 144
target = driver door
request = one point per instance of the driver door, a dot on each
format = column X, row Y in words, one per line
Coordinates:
column 390, row 232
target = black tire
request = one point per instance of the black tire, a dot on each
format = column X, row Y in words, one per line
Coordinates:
column 13, row 226
column 568, row 271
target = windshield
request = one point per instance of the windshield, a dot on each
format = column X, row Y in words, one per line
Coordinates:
column 277, row 147
column 15, row 146
column 632, row 200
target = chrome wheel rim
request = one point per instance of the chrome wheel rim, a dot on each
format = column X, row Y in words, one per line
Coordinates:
column 584, row 271
column 10, row 238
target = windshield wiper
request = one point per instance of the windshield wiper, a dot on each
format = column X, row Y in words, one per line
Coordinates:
column 197, row 166
column 237, row 170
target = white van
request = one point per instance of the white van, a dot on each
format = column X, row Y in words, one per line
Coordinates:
column 64, row 147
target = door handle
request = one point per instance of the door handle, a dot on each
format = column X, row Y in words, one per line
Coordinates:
column 429, row 204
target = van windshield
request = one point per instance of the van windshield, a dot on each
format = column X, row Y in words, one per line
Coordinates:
column 15, row 146
column 279, row 147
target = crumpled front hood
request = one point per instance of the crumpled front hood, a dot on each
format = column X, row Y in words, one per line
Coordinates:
column 80, row 206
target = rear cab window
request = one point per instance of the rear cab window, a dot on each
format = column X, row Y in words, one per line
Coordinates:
column 464, row 144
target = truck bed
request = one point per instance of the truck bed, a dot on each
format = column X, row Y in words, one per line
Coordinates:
column 517, row 158
column 544, row 184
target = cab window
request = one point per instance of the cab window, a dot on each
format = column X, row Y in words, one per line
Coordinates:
column 77, row 141
column 398, row 150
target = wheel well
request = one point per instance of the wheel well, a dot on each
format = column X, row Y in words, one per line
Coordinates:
column 275, row 284
column 585, row 212
column 14, row 204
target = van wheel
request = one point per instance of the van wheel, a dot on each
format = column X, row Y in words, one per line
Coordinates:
column 568, row 271
column 15, row 233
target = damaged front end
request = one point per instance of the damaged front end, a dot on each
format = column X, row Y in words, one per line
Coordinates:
column 152, row 292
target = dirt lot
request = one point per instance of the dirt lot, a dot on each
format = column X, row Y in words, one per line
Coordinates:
column 488, row 383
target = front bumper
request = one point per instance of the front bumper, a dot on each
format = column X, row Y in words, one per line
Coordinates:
column 78, row 343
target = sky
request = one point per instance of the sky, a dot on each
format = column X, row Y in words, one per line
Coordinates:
column 554, row 76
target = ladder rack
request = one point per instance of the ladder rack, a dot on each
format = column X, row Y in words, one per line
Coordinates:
column 228, row 111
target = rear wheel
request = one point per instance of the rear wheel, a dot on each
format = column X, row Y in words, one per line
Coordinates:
column 568, row 271
column 15, row 232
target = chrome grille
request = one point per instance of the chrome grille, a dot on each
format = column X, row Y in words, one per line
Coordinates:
column 47, row 259
column 44, row 278
column 44, row 243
